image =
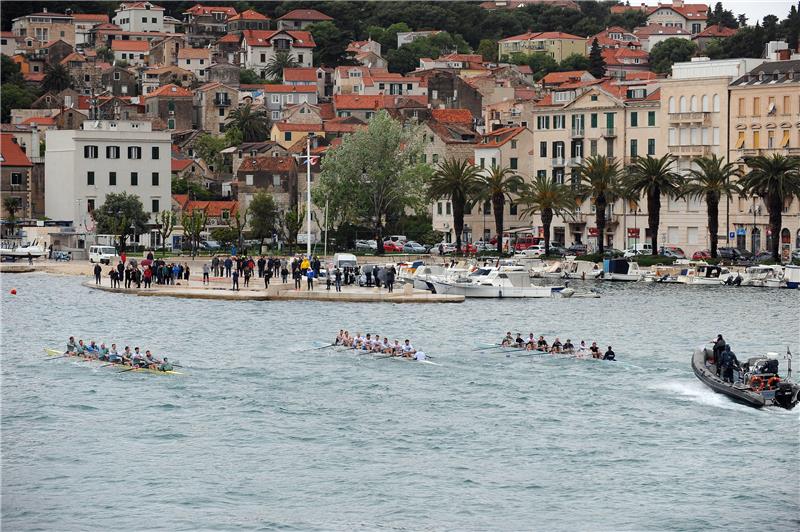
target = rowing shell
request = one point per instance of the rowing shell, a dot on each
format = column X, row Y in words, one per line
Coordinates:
column 383, row 355
column 57, row 352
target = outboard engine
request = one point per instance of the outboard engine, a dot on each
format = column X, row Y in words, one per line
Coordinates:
column 767, row 367
column 738, row 280
column 786, row 395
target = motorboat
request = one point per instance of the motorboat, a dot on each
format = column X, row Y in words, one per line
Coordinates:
column 582, row 269
column 10, row 251
column 423, row 274
column 763, row 276
column 621, row 270
column 503, row 282
column 710, row 274
column 757, row 383
column 792, row 276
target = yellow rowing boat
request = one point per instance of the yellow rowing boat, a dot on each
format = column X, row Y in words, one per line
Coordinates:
column 58, row 352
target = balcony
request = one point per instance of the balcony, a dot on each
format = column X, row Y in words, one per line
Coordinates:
column 609, row 132
column 697, row 117
column 692, row 151
column 577, row 133
column 558, row 161
column 792, row 151
column 222, row 102
column 576, row 161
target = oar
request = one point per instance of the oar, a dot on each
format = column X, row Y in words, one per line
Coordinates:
column 129, row 369
column 323, row 347
column 62, row 356
column 493, row 346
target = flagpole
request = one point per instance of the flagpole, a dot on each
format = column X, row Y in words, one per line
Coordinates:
column 308, row 195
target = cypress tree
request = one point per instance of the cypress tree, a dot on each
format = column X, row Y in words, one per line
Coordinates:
column 597, row 65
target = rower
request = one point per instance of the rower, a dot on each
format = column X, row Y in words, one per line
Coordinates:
column 609, row 355
column 366, row 343
column 508, row 340
column 165, row 366
column 583, row 350
column 92, row 349
column 127, row 355
column 595, row 350
column 71, row 345
column 103, row 352
column 138, row 358
column 531, row 343
column 408, row 349
column 151, row 361
column 113, row 356
column 419, row 355
column 519, row 341
column 568, row 347
column 386, row 347
column 556, row 347
column 541, row 345
column 339, row 337
column 80, row 349
column 397, row 348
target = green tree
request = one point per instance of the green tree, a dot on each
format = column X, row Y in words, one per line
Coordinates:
column 233, row 135
column 375, row 172
column 264, row 216
column 226, row 236
column 406, row 58
column 496, row 185
column 195, row 191
column 457, row 181
column 12, row 205
column 387, row 36
column 56, row 78
column 597, row 65
column 574, row 62
column 193, row 225
column 248, row 76
column 487, row 48
column 599, row 180
column 331, row 43
column 670, row 51
column 15, row 97
column 278, row 62
column 548, row 198
column 105, row 53
column 254, row 124
column 541, row 64
column 712, row 179
column 653, row 178
column 209, row 148
column 11, row 71
column 776, row 180
column 121, row 215
column 238, row 221
column 721, row 16
column 166, row 223
column 293, row 222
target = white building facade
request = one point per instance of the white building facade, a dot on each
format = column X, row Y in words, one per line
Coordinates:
column 139, row 16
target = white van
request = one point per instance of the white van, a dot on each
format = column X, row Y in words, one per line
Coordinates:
column 644, row 248
column 345, row 260
column 103, row 254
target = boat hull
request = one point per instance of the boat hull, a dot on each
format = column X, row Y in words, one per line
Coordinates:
column 56, row 352
column 708, row 377
column 489, row 291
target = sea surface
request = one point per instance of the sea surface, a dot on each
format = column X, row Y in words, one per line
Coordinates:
column 263, row 431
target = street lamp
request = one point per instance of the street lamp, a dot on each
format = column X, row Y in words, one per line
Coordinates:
column 754, row 210
column 308, row 194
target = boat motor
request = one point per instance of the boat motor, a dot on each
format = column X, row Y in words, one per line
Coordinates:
column 786, row 395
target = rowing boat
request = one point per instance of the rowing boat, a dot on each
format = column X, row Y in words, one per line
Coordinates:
column 344, row 348
column 58, row 352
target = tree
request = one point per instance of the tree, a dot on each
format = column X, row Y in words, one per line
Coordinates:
column 15, row 97
column 330, row 41
column 105, row 53
column 670, row 51
column 121, row 215
column 254, row 125
column 293, row 223
column 497, row 185
column 195, row 191
column 375, row 172
column 652, row 177
column 600, row 180
column 712, row 179
column 238, row 221
column 721, row 16
column 458, row 181
column 541, row 64
column 487, row 48
column 278, row 62
column 548, row 198
column 248, row 76
column 233, row 135
column 11, row 71
column 597, row 65
column 406, row 58
column 226, row 236
column 12, row 205
column 209, row 148
column 776, row 180
column 575, row 62
column 264, row 216
column 56, row 78
column 166, row 223
column 193, row 225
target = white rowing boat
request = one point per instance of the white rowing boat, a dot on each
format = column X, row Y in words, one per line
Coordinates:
column 374, row 355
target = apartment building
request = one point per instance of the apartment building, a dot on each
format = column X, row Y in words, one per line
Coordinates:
column 261, row 46
column 195, row 60
column 173, row 105
column 204, row 24
column 213, row 103
column 558, row 45
column 139, row 17
column 278, row 97
column 83, row 166
column 300, row 19
column 134, row 53
column 15, row 176
column 44, row 27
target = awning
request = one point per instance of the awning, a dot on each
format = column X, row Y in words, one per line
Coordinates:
column 785, row 139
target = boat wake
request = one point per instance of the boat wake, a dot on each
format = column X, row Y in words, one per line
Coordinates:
column 696, row 392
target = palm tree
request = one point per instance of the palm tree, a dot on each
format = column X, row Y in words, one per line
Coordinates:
column 712, row 180
column 652, row 177
column 600, row 179
column 495, row 186
column 12, row 204
column 548, row 198
column 458, row 181
column 56, row 78
column 254, row 124
column 278, row 62
column 775, row 179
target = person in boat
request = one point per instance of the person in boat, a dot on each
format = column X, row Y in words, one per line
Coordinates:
column 408, row 349
column 102, row 353
column 519, row 341
column 530, row 344
column 419, row 355
column 541, row 344
column 557, row 345
column 138, row 358
column 113, row 356
column 508, row 340
column 375, row 344
column 151, row 361
column 386, row 347
column 71, row 346
column 609, row 354
column 728, row 361
column 339, row 337
column 366, row 343
column 92, row 349
column 126, row 355
column 583, row 350
column 165, row 365
column 80, row 349
column 719, row 347
column 568, row 347
column 595, row 350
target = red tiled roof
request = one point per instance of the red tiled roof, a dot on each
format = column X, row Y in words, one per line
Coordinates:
column 33, row 76
column 643, row 75
column 524, row 94
column 141, row 5
column 654, row 96
column 658, row 29
column 211, row 208
column 11, row 153
column 285, row 126
column 688, row 11
column 326, row 111
column 557, row 78
column 198, row 10
column 248, row 14
column 170, row 90
column 452, row 116
column 289, row 88
column 89, row 17
column 401, row 102
column 343, row 125
column 39, row 121
column 266, row 163
column 74, row 56
column 305, row 14
column 130, row 46
column 194, row 53
column 716, row 30
column 354, row 101
column 179, row 165
column 230, row 37
column 300, row 74
column 536, row 36
column 498, row 137
column 301, row 39
column 180, row 199
column 107, row 26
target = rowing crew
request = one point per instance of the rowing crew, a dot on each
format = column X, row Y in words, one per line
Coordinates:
column 126, row 357
column 532, row 344
column 376, row 345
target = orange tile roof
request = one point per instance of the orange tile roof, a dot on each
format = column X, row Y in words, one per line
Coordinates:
column 542, row 35
column 343, row 125
column 354, row 101
column 170, row 90
column 301, row 39
column 557, row 78
column 452, row 116
column 212, row 208
column 326, row 111
column 716, row 30
column 181, row 199
column 285, row 126
column 179, row 165
column 305, row 14
column 194, row 53
column 289, row 88
column 89, row 17
column 130, row 46
column 248, row 14
column 300, row 74
column 39, row 121
column 640, row 76
column 11, row 153
column 498, row 137
column 198, row 10
column 74, row 56
column 230, row 37
column 688, row 11
column 140, row 5
column 269, row 164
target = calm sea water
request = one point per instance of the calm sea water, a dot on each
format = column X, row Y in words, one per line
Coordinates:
column 262, row 432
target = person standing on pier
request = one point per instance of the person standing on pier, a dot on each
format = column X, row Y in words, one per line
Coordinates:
column 205, row 273
column 310, row 278
column 235, row 277
column 98, row 270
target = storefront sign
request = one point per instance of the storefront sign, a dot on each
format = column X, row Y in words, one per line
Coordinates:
column 592, row 231
column 633, row 232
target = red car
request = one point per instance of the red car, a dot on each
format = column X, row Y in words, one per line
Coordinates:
column 392, row 247
column 703, row 254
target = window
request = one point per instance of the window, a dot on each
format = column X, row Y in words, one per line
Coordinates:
column 153, row 20
column 683, row 107
column 276, row 98
column 593, row 120
column 593, row 147
column 715, row 103
column 435, row 158
column 513, row 163
column 90, row 204
column 770, row 139
column 634, row 148
column 787, row 105
column 439, row 208
column 513, row 144
column 693, row 103
column 144, row 20
column 651, row 146
column 483, row 162
column 287, row 136
column 300, row 58
column 487, row 207
column 248, row 179
column 276, row 115
column 90, row 178
column 593, row 97
column 741, row 107
column 134, row 179
column 559, row 121
column 171, row 123
column 112, row 152
column 740, row 141
column 154, row 152
column 263, row 58
column 155, row 179
column 154, row 206
column 756, row 106
column 448, row 208
column 134, row 152
column 672, row 104
column 112, row 179
column 543, row 149
column 651, row 118
column 90, row 152
column 634, row 119
column 276, row 180
column 16, row 178
column 512, row 209
column 290, row 98
column 756, row 139
column 704, row 104
column 715, row 136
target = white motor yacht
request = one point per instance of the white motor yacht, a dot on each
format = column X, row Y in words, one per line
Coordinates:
column 621, row 270
column 763, row 276
column 708, row 274
column 505, row 281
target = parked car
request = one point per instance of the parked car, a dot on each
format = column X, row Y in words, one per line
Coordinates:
column 390, row 246
column 729, row 253
column 414, row 247
column 631, row 252
column 557, row 249
column 796, row 254
column 536, row 250
column 763, row 256
column 210, row 245
column 366, row 245
column 613, row 252
column 398, row 239
column 443, row 248
column 480, row 245
column 745, row 255
column 672, row 251
column 576, row 249
column 702, row 254
column 103, row 254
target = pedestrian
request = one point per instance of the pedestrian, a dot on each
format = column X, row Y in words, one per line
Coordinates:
column 375, row 271
column 267, row 277
column 215, row 265
column 206, row 270
column 262, row 262
column 310, row 278
column 247, row 273
column 390, row 275
column 228, row 265
column 98, row 270
column 186, row 272
column 337, row 275
column 112, row 275
column 235, row 277
column 284, row 273
column 297, row 275
column 148, row 276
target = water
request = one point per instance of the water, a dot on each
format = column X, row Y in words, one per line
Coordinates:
column 263, row 433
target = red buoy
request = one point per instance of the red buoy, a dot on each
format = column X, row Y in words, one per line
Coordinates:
column 13, row 291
